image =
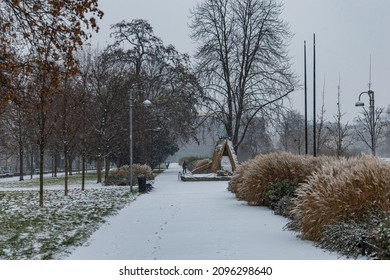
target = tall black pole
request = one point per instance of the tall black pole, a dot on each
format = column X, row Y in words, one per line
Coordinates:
column 373, row 122
column 305, row 77
column 314, row 99
column 131, row 139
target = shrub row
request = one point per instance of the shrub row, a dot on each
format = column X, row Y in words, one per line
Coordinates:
column 331, row 201
column 121, row 176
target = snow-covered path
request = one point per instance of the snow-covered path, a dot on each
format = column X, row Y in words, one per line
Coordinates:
column 195, row 220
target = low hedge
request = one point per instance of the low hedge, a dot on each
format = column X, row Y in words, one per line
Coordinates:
column 121, row 176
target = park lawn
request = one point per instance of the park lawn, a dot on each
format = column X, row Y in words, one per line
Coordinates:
column 28, row 231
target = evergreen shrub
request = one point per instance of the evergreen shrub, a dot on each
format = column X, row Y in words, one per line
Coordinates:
column 279, row 197
column 344, row 238
column 383, row 236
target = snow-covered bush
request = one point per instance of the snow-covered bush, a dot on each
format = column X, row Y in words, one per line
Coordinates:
column 273, row 168
column 120, row 176
column 349, row 237
column 344, row 238
column 343, row 190
column 383, row 235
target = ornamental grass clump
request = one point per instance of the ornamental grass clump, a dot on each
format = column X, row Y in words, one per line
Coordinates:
column 271, row 168
column 236, row 183
column 343, row 190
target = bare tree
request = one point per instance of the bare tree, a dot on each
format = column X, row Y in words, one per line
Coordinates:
column 242, row 60
column 42, row 91
column 291, row 131
column 162, row 75
column 258, row 140
column 364, row 127
column 385, row 149
column 107, row 101
column 340, row 136
column 69, row 106
column 322, row 133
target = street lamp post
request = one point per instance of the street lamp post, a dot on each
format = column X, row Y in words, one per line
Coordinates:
column 370, row 94
column 131, row 139
column 146, row 103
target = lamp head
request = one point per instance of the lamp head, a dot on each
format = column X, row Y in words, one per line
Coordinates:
column 147, row 103
column 359, row 104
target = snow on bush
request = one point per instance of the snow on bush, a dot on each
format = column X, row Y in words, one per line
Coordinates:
column 344, row 238
column 383, row 236
column 266, row 169
column 121, row 176
column 344, row 190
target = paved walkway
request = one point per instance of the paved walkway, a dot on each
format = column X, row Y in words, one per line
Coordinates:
column 195, row 220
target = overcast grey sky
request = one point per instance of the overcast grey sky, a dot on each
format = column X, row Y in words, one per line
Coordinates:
column 347, row 33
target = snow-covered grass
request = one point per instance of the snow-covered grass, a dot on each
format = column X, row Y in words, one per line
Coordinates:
column 30, row 232
column 48, row 181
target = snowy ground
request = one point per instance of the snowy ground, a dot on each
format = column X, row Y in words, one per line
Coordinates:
column 30, row 232
column 195, row 220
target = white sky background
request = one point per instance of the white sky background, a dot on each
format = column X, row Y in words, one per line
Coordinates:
column 347, row 33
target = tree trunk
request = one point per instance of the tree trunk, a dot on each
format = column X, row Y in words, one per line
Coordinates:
column 107, row 167
column 31, row 164
column 66, row 168
column 41, row 165
column 21, row 162
column 55, row 165
column 83, row 174
column 99, row 170
column 70, row 165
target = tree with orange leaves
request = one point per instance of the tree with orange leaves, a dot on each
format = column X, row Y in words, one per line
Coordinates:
column 56, row 28
column 40, row 39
